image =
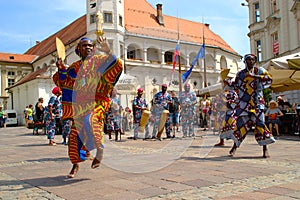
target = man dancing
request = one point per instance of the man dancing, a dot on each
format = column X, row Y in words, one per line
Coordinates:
column 249, row 111
column 86, row 86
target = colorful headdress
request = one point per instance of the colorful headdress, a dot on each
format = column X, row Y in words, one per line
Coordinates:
column 55, row 90
column 253, row 56
column 82, row 40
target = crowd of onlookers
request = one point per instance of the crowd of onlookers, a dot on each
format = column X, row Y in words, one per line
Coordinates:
column 281, row 116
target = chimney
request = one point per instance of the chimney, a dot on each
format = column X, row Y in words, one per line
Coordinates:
column 159, row 17
column 207, row 25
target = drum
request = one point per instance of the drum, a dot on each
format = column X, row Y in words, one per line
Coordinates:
column 163, row 118
column 144, row 120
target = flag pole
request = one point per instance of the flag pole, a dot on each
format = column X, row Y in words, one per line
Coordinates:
column 204, row 63
column 179, row 65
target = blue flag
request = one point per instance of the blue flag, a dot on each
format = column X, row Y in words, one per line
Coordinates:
column 200, row 54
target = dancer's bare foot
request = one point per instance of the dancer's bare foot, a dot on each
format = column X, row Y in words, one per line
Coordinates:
column 265, row 152
column 73, row 171
column 95, row 163
column 221, row 143
column 232, row 151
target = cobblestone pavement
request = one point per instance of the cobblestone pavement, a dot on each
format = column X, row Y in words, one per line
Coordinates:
column 179, row 168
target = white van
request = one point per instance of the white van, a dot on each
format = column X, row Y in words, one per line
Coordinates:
column 12, row 118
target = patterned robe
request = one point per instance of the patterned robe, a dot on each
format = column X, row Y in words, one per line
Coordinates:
column 86, row 86
column 113, row 115
column 161, row 101
column 250, row 106
column 55, row 103
column 137, row 115
column 187, row 101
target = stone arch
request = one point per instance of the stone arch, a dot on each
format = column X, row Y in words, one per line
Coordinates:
column 153, row 55
column 223, row 62
column 236, row 65
column 169, row 55
column 210, row 61
column 134, row 52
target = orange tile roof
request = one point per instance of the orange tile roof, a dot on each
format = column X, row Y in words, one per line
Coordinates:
column 17, row 58
column 68, row 35
column 140, row 18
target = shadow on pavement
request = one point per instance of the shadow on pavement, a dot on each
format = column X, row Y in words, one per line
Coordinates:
column 212, row 146
column 49, row 159
column 221, row 158
column 42, row 182
column 33, row 145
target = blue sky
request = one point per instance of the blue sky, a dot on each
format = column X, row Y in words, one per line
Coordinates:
column 24, row 22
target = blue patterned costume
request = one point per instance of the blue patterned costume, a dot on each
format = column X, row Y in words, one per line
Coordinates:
column 55, row 103
column 137, row 105
column 114, row 116
column 161, row 102
column 187, row 101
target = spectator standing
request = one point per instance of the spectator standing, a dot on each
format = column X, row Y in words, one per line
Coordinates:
column 174, row 109
column 29, row 115
column 25, row 114
column 205, row 106
column 273, row 113
column 52, row 111
column 1, row 117
column 39, row 110
column 114, row 116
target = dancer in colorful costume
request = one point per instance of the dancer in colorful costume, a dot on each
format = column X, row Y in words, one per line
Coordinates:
column 227, row 104
column 86, row 86
column 249, row 84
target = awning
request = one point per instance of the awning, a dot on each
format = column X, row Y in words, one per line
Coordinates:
column 127, row 84
column 211, row 90
column 285, row 72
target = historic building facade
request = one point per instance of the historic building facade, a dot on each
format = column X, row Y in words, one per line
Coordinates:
column 145, row 39
column 274, row 31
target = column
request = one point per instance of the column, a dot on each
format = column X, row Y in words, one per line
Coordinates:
column 163, row 57
column 3, row 81
column 145, row 55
